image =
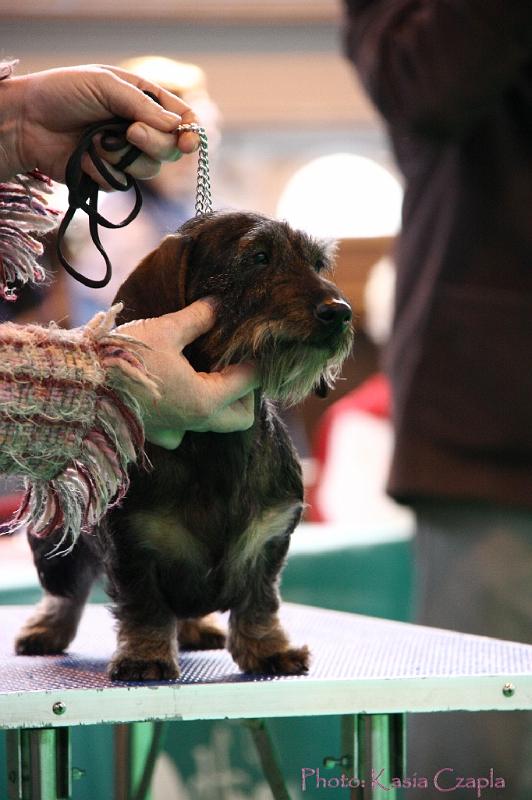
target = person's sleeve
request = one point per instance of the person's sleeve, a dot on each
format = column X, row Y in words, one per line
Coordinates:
column 438, row 65
column 69, row 420
column 25, row 216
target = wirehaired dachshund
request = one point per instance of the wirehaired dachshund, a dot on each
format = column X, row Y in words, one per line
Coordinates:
column 208, row 528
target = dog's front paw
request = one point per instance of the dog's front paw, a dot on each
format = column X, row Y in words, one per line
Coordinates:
column 125, row 668
column 40, row 641
column 293, row 661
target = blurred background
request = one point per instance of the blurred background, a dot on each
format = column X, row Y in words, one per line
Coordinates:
column 292, row 135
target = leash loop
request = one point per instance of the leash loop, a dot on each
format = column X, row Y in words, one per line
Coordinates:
column 83, row 190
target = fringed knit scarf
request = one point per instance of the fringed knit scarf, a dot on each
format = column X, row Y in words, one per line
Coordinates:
column 69, row 421
column 24, row 215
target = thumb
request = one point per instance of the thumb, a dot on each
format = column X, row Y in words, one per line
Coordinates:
column 193, row 320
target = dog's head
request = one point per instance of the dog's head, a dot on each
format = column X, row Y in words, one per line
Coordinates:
column 275, row 304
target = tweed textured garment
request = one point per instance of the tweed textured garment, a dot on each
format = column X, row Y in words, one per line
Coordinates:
column 69, row 420
column 24, row 215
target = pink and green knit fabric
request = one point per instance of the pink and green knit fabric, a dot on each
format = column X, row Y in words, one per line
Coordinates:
column 24, row 215
column 69, row 421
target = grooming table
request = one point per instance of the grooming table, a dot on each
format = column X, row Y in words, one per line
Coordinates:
column 369, row 671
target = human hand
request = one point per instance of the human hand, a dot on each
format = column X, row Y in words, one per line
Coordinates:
column 43, row 115
column 190, row 401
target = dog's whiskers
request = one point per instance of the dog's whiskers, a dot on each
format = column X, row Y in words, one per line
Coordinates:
column 290, row 370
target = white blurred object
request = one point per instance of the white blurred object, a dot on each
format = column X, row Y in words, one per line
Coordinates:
column 342, row 196
column 167, row 783
column 379, row 294
column 352, row 488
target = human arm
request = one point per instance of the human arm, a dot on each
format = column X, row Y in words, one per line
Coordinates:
column 438, row 65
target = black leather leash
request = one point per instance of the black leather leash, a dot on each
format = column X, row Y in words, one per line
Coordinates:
column 83, row 190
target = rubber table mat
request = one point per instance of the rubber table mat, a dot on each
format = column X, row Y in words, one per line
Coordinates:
column 359, row 665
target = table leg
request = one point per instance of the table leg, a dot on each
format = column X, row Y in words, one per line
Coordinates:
column 39, row 765
column 269, row 760
column 379, row 753
column 137, row 747
column 349, row 742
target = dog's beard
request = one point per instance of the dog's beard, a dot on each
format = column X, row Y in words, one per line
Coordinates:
column 289, row 369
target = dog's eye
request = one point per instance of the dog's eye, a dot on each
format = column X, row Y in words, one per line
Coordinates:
column 319, row 265
column 261, row 258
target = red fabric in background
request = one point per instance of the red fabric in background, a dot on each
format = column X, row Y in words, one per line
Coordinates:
column 9, row 504
column 371, row 397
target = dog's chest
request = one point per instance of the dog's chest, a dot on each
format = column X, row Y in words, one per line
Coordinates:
column 163, row 534
column 201, row 574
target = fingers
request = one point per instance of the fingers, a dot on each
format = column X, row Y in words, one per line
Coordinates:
column 142, row 168
column 188, row 142
column 167, row 99
column 124, row 96
column 154, row 128
column 228, row 399
column 157, row 145
column 178, row 328
column 163, row 116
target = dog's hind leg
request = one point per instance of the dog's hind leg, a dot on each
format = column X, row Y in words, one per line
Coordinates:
column 66, row 580
column 203, row 633
column 257, row 641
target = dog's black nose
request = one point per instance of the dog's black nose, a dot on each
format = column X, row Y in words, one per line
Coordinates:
column 333, row 312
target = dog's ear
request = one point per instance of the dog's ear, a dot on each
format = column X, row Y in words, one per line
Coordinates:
column 157, row 285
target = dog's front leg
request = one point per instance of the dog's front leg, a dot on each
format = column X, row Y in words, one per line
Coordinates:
column 145, row 652
column 257, row 641
column 146, row 626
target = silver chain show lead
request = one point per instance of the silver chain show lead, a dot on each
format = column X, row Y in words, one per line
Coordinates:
column 203, row 182
column 83, row 190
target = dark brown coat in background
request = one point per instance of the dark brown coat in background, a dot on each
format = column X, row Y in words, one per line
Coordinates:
column 209, row 527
